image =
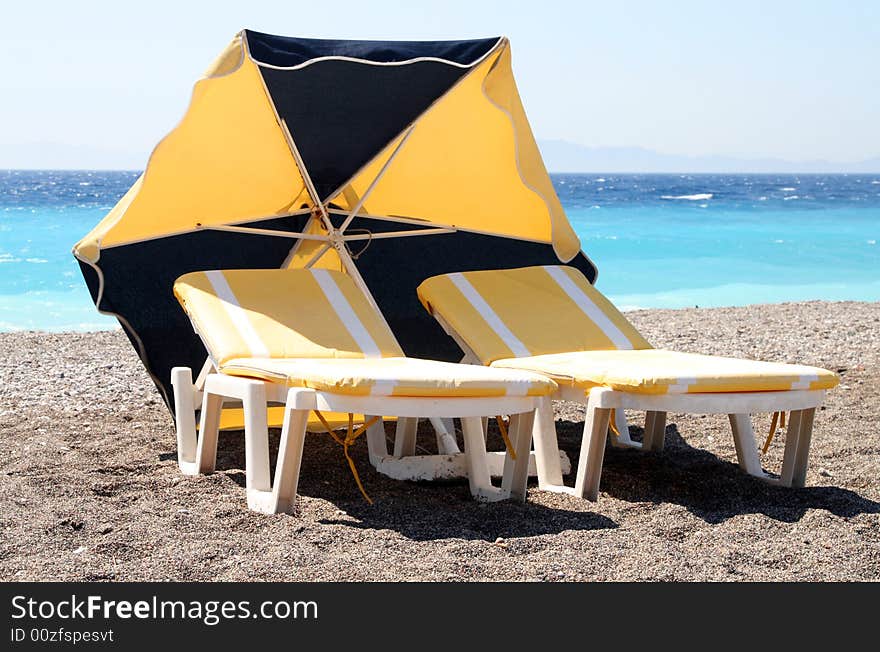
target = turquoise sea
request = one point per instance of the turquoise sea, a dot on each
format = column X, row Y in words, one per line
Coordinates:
column 659, row 240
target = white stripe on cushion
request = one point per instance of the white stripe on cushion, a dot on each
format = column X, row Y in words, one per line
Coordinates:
column 517, row 388
column 681, row 387
column 590, row 309
column 804, row 381
column 237, row 314
column 346, row 314
column 384, row 387
column 470, row 293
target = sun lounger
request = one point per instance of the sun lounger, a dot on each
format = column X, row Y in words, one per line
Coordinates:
column 552, row 321
column 312, row 341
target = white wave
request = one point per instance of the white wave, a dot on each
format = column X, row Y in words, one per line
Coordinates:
column 875, row 183
column 778, row 241
column 35, row 260
column 788, row 189
column 762, row 198
column 790, row 197
column 702, row 196
column 872, row 242
column 704, row 205
column 601, row 180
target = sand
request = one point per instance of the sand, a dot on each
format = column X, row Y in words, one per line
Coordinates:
column 90, row 490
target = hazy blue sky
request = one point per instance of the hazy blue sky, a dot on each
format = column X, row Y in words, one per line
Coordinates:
column 795, row 80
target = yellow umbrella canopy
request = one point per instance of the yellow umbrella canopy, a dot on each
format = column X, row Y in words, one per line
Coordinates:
column 412, row 158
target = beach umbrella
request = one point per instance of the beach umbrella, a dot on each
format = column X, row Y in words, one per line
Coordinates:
column 391, row 160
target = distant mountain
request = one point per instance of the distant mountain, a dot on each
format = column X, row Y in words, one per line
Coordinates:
column 563, row 156
column 559, row 155
column 58, row 156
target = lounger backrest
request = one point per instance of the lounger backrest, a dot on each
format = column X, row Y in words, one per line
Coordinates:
column 283, row 313
column 516, row 313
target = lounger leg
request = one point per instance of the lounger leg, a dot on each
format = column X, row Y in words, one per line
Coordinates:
column 546, row 448
column 799, row 476
column 282, row 496
column 592, row 452
column 376, row 443
column 516, row 472
column 477, row 464
column 746, row 447
column 256, row 438
column 185, row 418
column 655, row 431
column 191, row 453
column 797, row 448
column 209, row 430
column 405, row 437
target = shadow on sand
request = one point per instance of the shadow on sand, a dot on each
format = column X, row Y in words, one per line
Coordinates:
column 420, row 511
column 711, row 488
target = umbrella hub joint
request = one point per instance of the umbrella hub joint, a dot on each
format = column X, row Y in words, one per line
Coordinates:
column 335, row 237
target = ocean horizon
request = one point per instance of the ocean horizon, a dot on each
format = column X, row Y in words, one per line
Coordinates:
column 659, row 240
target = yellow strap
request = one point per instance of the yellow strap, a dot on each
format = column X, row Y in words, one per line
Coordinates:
column 611, row 422
column 326, row 425
column 777, row 416
column 350, row 438
column 504, row 436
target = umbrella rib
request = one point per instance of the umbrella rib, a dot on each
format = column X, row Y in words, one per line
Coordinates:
column 310, row 186
column 396, row 234
column 273, row 232
column 335, row 237
column 321, row 251
column 373, row 183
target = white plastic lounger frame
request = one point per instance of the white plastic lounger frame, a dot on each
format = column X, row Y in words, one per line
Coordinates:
column 600, row 401
column 198, row 454
column 447, row 464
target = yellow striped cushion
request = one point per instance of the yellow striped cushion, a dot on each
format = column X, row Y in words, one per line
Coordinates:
column 529, row 311
column 283, row 313
column 655, row 371
column 411, row 377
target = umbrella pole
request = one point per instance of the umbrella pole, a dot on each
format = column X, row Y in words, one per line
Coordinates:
column 334, row 235
column 337, row 240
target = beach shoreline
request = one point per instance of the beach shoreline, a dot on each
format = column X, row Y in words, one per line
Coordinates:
column 92, row 490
